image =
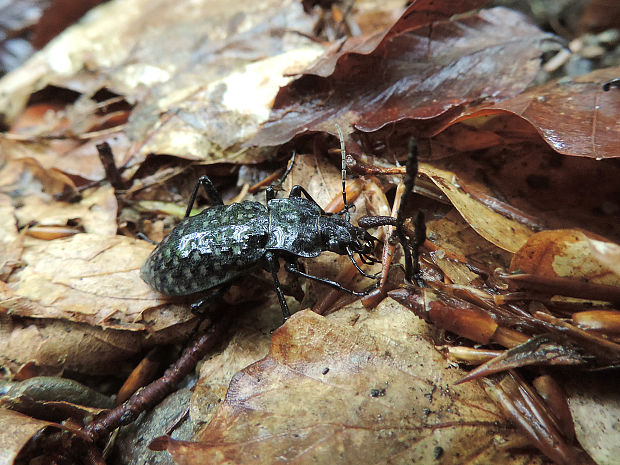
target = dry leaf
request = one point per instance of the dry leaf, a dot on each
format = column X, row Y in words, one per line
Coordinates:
column 564, row 254
column 16, row 431
column 595, row 406
column 96, row 212
column 505, row 233
column 93, row 279
column 331, row 393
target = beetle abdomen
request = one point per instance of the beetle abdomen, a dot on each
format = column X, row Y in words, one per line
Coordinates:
column 209, row 249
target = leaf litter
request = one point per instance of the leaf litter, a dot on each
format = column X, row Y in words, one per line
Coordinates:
column 490, row 162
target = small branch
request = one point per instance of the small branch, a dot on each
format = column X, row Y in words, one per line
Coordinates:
column 154, row 393
column 111, row 171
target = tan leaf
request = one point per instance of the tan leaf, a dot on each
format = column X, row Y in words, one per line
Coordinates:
column 565, row 253
column 504, row 232
column 92, row 279
column 16, row 431
column 360, row 387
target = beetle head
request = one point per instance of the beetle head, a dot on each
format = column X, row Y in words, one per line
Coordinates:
column 338, row 235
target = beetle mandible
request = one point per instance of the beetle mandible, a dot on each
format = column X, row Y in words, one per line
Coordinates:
column 223, row 242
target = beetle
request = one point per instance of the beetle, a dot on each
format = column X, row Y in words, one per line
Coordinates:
column 211, row 249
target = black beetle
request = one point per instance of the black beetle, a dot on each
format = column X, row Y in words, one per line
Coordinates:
column 209, row 250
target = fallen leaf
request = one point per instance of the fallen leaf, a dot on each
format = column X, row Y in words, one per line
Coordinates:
column 422, row 69
column 56, row 345
column 595, row 406
column 358, row 388
column 505, row 233
column 16, row 431
column 92, row 279
column 204, row 74
column 11, row 245
column 574, row 116
column 564, row 254
column 526, row 183
column 96, row 212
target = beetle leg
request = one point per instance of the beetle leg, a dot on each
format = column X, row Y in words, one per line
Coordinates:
column 144, row 237
column 212, row 193
column 410, row 173
column 272, row 260
column 297, row 190
column 291, row 267
column 198, row 306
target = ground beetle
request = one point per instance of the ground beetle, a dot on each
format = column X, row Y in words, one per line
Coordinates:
column 223, row 242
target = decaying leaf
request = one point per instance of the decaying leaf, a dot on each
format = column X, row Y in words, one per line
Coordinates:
column 574, row 116
column 522, row 183
column 95, row 213
column 10, row 242
column 352, row 389
column 565, row 254
column 190, row 69
column 16, row 431
column 89, row 278
column 179, row 90
column 504, row 232
column 50, row 346
column 595, row 407
column 422, row 67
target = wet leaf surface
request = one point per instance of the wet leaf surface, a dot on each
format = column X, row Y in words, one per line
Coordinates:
column 420, row 79
column 574, row 116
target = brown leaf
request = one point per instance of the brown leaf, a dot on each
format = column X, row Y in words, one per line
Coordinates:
column 11, row 245
column 504, row 232
column 55, row 345
column 96, row 212
column 595, row 406
column 420, row 13
column 522, row 184
column 16, row 431
column 93, row 279
column 574, row 116
column 332, row 393
column 204, row 74
column 564, row 254
column 421, row 75
column 457, row 249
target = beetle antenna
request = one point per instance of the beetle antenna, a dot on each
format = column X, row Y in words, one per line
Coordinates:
column 343, row 166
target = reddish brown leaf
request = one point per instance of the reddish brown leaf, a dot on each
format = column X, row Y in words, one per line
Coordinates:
column 507, row 191
column 424, row 72
column 420, row 13
column 574, row 116
column 564, row 254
